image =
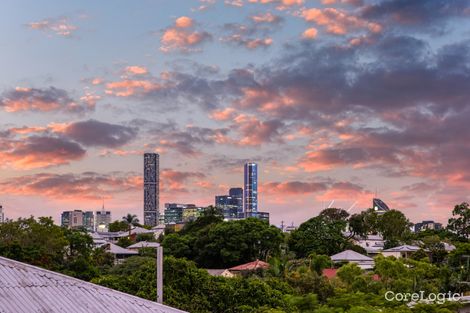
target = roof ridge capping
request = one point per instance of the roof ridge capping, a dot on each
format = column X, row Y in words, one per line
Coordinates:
column 68, row 280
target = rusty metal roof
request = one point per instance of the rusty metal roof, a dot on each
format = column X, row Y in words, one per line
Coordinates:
column 27, row 288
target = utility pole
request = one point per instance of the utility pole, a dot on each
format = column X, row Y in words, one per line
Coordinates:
column 160, row 274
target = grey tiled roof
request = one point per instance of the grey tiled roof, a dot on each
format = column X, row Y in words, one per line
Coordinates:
column 30, row 289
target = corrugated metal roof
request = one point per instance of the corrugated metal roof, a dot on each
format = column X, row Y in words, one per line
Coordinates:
column 250, row 266
column 404, row 248
column 115, row 249
column 27, row 288
column 144, row 244
column 349, row 255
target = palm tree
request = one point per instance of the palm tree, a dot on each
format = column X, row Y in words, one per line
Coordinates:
column 130, row 219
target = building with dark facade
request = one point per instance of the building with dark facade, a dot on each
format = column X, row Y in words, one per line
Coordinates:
column 151, row 189
column 179, row 213
column 379, row 206
column 250, row 208
column 231, row 205
column 427, row 225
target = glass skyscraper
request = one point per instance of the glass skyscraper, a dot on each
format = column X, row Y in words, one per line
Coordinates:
column 151, row 188
column 231, row 204
column 251, row 190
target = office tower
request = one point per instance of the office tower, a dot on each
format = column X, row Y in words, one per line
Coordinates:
column 102, row 220
column 251, row 190
column 151, row 189
column 181, row 213
column 231, row 205
column 74, row 219
column 89, row 221
column 2, row 215
column 237, row 198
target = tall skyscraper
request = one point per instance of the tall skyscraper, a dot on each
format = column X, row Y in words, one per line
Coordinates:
column 251, row 190
column 151, row 188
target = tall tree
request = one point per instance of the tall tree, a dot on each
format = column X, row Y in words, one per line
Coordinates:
column 319, row 235
column 364, row 223
column 394, row 227
column 131, row 220
column 460, row 221
column 334, row 214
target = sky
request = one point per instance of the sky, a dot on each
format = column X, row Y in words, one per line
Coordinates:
column 336, row 100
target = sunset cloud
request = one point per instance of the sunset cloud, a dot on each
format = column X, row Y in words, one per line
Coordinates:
column 178, row 181
column 43, row 100
column 182, row 37
column 60, row 26
column 95, row 133
column 77, row 187
column 338, row 22
column 136, row 70
column 39, row 152
column 310, row 33
column 255, row 33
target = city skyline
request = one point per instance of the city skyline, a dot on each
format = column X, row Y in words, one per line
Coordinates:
column 334, row 99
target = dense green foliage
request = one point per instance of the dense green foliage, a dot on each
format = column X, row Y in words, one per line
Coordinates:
column 293, row 283
column 460, row 221
column 40, row 242
column 321, row 235
column 212, row 243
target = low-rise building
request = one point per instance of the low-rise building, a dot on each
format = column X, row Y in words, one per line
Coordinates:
column 249, row 267
column 143, row 244
column 220, row 273
column 427, row 225
column 350, row 256
column 404, row 251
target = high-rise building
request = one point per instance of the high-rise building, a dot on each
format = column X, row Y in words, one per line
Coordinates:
column 78, row 219
column 251, row 190
column 151, row 188
column 237, row 198
column 181, row 213
column 102, row 220
column 2, row 215
column 89, row 220
column 231, row 205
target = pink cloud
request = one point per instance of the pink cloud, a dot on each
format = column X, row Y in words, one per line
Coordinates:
column 337, row 21
column 182, row 37
column 136, row 70
column 310, row 33
column 127, row 88
column 60, row 27
column 223, row 115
